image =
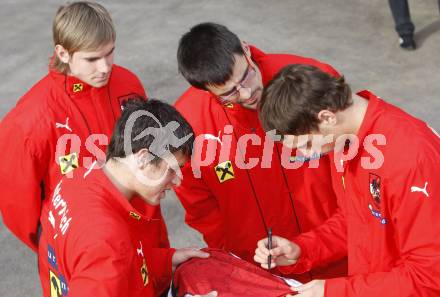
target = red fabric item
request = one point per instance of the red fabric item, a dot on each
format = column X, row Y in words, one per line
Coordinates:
column 94, row 242
column 388, row 223
column 57, row 107
column 228, row 275
column 226, row 213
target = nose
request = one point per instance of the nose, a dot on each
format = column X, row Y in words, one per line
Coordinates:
column 176, row 181
column 104, row 65
column 245, row 93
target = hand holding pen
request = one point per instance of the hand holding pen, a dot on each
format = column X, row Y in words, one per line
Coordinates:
column 276, row 251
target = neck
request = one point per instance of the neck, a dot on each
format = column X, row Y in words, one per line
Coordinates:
column 119, row 175
column 355, row 114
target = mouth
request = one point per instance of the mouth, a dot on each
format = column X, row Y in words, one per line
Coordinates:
column 101, row 79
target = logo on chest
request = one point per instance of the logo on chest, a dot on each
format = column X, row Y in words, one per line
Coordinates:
column 144, row 270
column 68, row 163
column 375, row 192
column 77, row 87
column 224, row 171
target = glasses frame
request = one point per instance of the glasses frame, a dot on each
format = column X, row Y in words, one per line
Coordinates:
column 249, row 74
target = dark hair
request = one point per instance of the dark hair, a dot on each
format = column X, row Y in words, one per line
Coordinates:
column 293, row 98
column 206, row 54
column 156, row 129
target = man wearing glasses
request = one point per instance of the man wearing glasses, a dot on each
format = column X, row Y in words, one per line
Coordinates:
column 240, row 183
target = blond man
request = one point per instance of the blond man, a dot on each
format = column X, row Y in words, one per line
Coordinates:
column 65, row 120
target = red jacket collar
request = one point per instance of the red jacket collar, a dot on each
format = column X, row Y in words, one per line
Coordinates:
column 135, row 209
column 73, row 86
column 372, row 113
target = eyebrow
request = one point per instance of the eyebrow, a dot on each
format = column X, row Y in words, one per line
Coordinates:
column 235, row 87
column 95, row 58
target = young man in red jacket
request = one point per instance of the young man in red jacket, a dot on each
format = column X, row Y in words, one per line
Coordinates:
column 93, row 240
column 388, row 219
column 240, row 183
column 64, row 122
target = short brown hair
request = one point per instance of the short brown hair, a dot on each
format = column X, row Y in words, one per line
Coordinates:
column 293, row 98
column 81, row 26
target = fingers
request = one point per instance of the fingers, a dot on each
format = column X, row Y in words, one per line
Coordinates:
column 262, row 246
column 184, row 254
column 199, row 254
column 288, row 249
column 313, row 288
column 262, row 254
column 194, row 252
column 263, row 261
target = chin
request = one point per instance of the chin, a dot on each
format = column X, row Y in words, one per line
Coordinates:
column 99, row 84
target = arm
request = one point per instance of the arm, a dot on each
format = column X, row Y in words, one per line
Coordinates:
column 202, row 210
column 21, row 175
column 160, row 267
column 101, row 269
column 417, row 237
column 322, row 245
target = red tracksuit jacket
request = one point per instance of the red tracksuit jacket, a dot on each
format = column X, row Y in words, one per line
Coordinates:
column 233, row 207
column 60, row 117
column 388, row 221
column 93, row 242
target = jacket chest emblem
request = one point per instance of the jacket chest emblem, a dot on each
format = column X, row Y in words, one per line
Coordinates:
column 77, row 87
column 224, row 171
column 374, row 186
column 134, row 215
column 144, row 270
column 375, row 189
column 68, row 163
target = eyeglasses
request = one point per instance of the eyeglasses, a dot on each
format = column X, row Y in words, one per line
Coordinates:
column 234, row 94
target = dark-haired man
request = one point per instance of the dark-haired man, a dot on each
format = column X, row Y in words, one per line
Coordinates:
column 388, row 220
column 93, row 241
column 238, row 185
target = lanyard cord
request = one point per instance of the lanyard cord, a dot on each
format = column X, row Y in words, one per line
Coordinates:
column 79, row 110
column 250, row 179
column 292, row 204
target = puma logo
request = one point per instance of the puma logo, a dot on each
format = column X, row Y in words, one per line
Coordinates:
column 66, row 125
column 423, row 190
column 212, row 137
column 139, row 250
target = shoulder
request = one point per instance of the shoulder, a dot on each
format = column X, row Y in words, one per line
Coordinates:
column 410, row 142
column 201, row 110
column 123, row 73
column 91, row 206
column 192, row 99
column 31, row 119
column 270, row 64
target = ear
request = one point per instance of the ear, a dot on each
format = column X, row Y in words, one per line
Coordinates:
column 62, row 53
column 143, row 158
column 327, row 119
column 246, row 48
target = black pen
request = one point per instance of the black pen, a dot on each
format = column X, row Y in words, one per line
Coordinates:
column 269, row 246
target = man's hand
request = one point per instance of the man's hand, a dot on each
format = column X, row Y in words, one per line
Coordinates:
column 184, row 254
column 315, row 288
column 284, row 252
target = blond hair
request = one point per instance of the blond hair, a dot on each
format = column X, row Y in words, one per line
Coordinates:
column 81, row 26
